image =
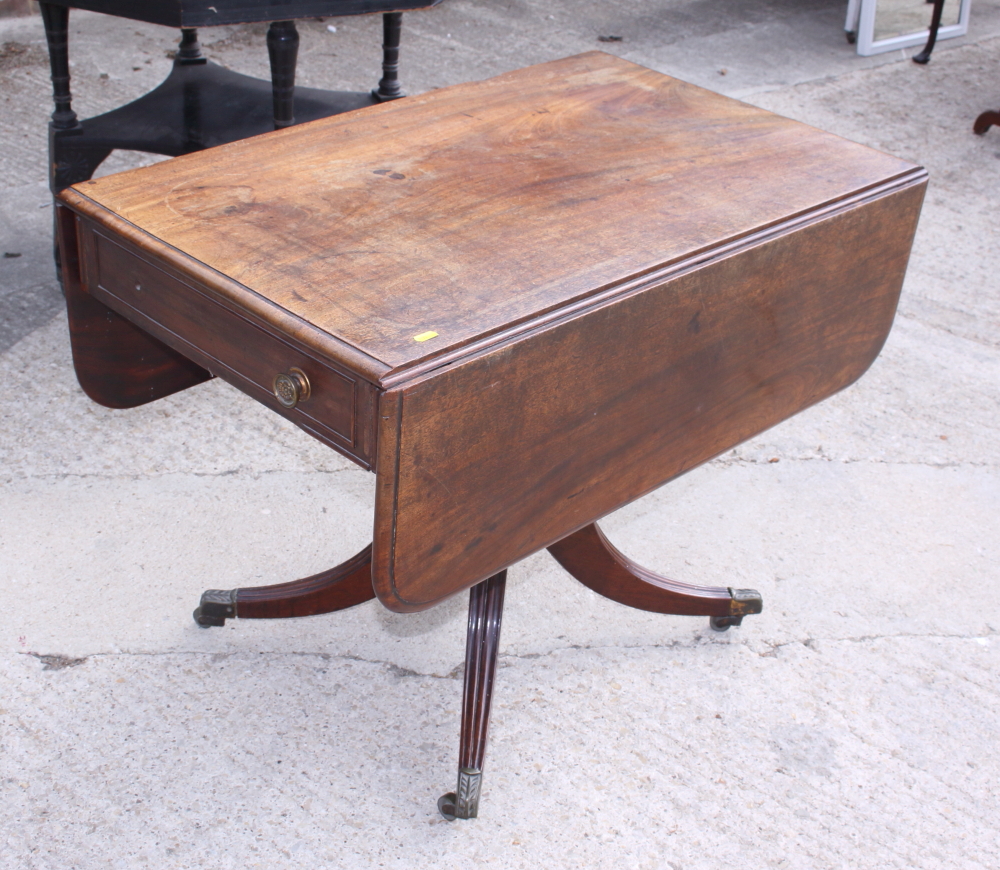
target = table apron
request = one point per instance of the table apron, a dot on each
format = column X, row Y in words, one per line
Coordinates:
column 232, row 344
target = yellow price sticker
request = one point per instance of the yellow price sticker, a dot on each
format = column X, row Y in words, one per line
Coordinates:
column 425, row 336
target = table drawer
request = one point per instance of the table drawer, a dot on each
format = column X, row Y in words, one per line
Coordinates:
column 231, row 344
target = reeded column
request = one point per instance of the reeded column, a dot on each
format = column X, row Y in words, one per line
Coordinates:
column 481, row 648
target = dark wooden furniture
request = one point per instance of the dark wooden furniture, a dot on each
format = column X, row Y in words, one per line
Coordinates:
column 924, row 55
column 986, row 120
column 538, row 298
column 201, row 104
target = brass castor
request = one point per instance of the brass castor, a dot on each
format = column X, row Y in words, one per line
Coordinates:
column 722, row 623
column 215, row 607
column 464, row 802
column 744, row 603
column 446, row 806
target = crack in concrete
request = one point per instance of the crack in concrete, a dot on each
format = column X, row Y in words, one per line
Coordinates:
column 84, row 475
column 990, row 632
column 720, row 461
column 810, row 642
column 749, row 460
column 58, row 661
column 401, row 672
column 941, row 327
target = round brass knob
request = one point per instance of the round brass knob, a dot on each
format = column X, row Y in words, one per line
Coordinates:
column 291, row 387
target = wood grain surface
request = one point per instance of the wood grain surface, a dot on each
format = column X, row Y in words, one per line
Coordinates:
column 565, row 286
column 485, row 462
column 477, row 207
column 593, row 560
column 117, row 364
column 210, row 335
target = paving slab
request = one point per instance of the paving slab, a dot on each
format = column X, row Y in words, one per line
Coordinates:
column 689, row 753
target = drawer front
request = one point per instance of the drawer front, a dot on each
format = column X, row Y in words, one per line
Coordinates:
column 232, row 345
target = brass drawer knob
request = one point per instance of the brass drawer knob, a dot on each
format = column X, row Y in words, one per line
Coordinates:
column 291, row 387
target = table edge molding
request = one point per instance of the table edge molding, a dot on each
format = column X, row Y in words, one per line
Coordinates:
column 232, row 291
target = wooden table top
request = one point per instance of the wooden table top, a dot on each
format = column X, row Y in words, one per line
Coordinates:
column 466, row 211
column 525, row 301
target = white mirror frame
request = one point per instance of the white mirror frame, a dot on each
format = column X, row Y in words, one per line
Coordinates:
column 861, row 17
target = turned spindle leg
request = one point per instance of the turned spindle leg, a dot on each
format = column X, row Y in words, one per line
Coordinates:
column 189, row 54
column 481, row 647
column 283, row 50
column 189, row 50
column 389, row 87
column 68, row 162
column 56, row 21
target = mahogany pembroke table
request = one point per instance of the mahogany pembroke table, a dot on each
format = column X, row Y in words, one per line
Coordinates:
column 522, row 303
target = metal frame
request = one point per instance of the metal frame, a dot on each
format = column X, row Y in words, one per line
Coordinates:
column 868, row 45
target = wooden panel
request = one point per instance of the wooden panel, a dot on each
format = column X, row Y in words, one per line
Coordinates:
column 117, row 364
column 493, row 458
column 476, row 207
column 229, row 344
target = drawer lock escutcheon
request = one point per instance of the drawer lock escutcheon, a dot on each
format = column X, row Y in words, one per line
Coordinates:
column 291, row 387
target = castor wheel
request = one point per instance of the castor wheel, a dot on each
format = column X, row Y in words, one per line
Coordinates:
column 446, row 806
column 215, row 607
column 463, row 802
column 206, row 621
column 744, row 603
column 722, row 623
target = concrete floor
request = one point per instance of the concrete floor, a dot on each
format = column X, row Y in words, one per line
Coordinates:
column 853, row 724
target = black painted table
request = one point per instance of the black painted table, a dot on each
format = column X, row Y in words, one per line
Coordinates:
column 201, row 104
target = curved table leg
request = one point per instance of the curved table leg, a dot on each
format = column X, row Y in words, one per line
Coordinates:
column 925, row 55
column 337, row 589
column 481, row 647
column 593, row 560
column 985, row 121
